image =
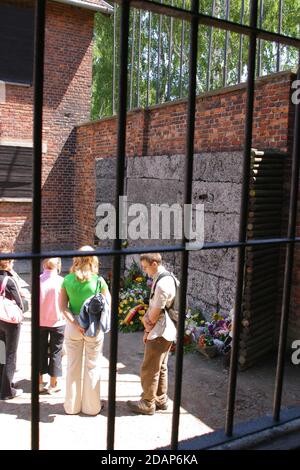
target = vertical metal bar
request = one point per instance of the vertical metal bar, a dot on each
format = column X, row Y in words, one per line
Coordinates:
column 288, row 271
column 132, row 58
column 121, row 148
column 240, row 64
column 259, row 48
column 139, row 62
column 114, row 61
column 187, row 200
column 181, row 54
column 170, row 57
column 149, row 57
column 279, row 32
column 243, row 222
column 226, row 45
column 208, row 77
column 38, row 80
column 158, row 58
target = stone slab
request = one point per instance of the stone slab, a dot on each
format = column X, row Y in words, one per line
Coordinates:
column 218, row 167
column 217, row 196
column 157, row 167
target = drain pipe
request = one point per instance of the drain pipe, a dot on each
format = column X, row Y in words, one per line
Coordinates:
column 103, row 7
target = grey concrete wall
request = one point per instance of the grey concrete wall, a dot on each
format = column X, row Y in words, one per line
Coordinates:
column 217, row 185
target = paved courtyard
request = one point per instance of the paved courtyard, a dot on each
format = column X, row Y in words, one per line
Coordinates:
column 60, row 431
column 204, row 391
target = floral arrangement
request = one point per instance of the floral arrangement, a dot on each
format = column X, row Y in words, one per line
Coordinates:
column 215, row 333
column 202, row 335
column 193, row 321
column 134, row 296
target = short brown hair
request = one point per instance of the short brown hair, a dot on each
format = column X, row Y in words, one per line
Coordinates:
column 151, row 257
column 4, row 264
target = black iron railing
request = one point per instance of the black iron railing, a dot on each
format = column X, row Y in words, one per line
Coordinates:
column 194, row 19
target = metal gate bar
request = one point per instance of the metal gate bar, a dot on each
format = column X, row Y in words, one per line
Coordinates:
column 243, row 223
column 195, row 18
column 189, row 160
column 36, row 215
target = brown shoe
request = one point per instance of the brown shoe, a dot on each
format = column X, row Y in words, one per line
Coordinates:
column 141, row 407
column 162, row 406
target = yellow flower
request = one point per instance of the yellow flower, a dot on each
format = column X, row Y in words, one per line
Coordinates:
column 139, row 279
column 141, row 312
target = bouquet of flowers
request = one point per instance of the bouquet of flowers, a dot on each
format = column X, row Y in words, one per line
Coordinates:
column 134, row 296
column 193, row 321
column 213, row 336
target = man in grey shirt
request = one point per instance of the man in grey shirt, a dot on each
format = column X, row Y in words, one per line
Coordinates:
column 159, row 334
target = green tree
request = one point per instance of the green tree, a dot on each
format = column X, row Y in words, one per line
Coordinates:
column 102, row 67
column 158, row 70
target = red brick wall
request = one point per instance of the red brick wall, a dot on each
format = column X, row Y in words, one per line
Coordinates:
column 12, row 217
column 16, row 113
column 67, row 88
column 161, row 129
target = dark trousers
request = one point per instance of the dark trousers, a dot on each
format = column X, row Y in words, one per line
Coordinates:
column 53, row 338
column 9, row 334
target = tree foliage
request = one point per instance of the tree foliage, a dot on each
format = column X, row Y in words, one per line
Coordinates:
column 159, row 52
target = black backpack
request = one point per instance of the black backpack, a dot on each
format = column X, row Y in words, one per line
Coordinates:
column 173, row 310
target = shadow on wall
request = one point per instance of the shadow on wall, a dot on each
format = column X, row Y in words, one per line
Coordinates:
column 57, row 203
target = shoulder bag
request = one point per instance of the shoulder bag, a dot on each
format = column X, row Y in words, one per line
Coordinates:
column 10, row 312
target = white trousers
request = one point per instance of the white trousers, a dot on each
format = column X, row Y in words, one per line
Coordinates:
column 82, row 395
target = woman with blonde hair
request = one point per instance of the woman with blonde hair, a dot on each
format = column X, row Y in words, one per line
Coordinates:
column 82, row 283
column 52, row 324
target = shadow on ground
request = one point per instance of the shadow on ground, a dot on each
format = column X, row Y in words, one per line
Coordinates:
column 48, row 411
column 205, row 383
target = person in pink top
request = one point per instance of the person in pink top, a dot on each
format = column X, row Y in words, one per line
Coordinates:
column 52, row 324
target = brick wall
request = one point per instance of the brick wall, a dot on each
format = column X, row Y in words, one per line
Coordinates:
column 12, row 218
column 67, row 87
column 161, row 129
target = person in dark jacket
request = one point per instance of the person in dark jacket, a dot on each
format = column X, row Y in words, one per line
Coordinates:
column 9, row 335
